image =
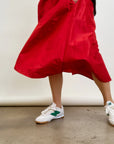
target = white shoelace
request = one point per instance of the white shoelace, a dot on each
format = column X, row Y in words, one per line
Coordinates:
column 48, row 109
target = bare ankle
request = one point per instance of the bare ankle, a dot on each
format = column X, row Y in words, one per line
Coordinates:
column 58, row 105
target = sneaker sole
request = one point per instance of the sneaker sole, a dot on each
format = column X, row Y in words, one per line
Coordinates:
column 38, row 122
column 110, row 123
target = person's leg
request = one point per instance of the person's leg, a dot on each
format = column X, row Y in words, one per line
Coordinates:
column 104, row 88
column 56, row 82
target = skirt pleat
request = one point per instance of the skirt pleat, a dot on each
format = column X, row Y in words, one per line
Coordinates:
column 64, row 40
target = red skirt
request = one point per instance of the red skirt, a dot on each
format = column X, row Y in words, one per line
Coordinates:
column 64, row 40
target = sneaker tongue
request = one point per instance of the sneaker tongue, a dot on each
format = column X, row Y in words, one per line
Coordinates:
column 53, row 104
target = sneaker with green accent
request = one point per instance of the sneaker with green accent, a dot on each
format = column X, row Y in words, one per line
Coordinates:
column 50, row 113
column 109, row 109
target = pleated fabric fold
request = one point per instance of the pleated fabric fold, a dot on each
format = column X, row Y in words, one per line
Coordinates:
column 64, row 40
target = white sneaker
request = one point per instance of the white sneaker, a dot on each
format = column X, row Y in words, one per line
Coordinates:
column 50, row 113
column 109, row 109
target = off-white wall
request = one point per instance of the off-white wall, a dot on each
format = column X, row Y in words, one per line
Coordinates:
column 17, row 21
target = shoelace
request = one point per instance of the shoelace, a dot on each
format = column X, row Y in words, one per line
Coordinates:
column 48, row 109
column 51, row 107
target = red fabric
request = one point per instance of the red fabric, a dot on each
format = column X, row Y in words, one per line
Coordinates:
column 64, row 40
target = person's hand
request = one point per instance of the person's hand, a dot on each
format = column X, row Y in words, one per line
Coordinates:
column 75, row 1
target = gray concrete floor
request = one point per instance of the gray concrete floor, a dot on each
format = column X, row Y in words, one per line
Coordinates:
column 80, row 125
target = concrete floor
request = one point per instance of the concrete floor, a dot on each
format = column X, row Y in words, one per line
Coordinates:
column 80, row 125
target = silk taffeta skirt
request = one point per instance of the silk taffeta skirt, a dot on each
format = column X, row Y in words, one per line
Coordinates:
column 64, row 40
